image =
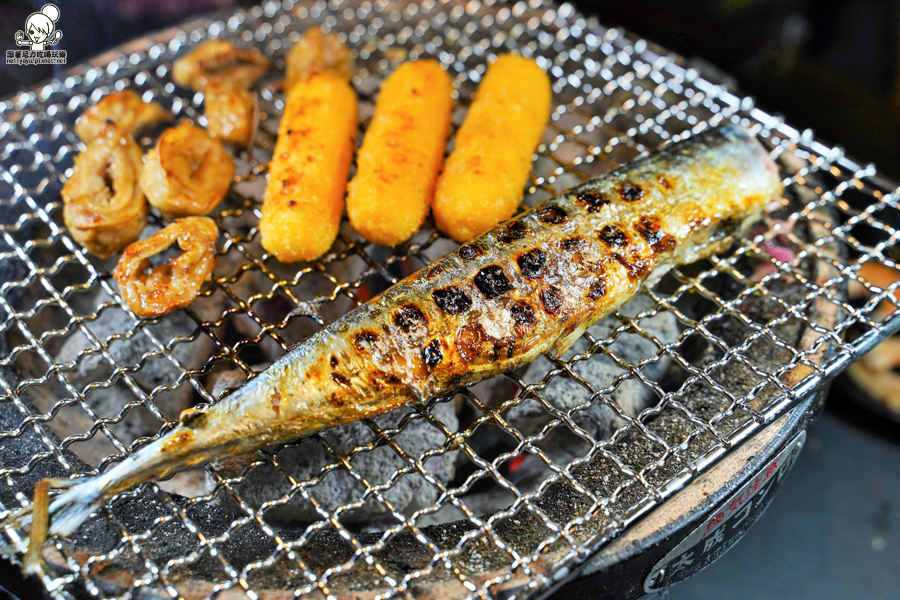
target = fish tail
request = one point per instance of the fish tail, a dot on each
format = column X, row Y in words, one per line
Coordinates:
column 62, row 515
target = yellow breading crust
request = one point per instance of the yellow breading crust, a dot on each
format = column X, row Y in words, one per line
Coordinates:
column 401, row 155
column 304, row 198
column 484, row 178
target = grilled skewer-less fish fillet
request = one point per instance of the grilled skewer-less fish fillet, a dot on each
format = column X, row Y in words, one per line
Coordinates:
column 529, row 286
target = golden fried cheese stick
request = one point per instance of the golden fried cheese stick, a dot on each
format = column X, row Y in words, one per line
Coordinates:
column 304, row 198
column 397, row 166
column 484, row 177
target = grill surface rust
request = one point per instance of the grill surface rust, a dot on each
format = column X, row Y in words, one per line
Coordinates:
column 496, row 491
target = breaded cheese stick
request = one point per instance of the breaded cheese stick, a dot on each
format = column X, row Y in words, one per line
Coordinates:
column 397, row 166
column 304, row 198
column 484, row 177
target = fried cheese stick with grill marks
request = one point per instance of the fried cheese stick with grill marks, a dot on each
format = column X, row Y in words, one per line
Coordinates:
column 304, row 198
column 397, row 166
column 484, row 177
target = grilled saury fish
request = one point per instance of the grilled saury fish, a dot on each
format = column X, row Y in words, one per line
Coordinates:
column 531, row 285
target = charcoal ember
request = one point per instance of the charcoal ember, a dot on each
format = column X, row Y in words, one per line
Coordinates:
column 130, row 349
column 598, row 419
column 264, row 483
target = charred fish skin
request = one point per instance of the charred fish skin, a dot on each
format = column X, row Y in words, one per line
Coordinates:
column 529, row 286
column 532, row 284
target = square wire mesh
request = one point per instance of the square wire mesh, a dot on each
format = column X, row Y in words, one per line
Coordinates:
column 459, row 497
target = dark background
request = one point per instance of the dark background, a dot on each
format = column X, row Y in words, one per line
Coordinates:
column 833, row 532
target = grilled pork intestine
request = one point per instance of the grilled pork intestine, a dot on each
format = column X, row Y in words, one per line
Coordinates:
column 103, row 205
column 125, row 109
column 187, row 172
column 152, row 291
column 219, row 62
column 230, row 113
column 317, row 52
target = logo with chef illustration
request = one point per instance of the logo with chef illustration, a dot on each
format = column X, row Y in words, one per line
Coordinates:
column 39, row 35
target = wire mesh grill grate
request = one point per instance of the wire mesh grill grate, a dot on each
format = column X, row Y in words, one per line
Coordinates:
column 84, row 381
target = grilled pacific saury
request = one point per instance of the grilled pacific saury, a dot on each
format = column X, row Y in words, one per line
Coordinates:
column 529, row 286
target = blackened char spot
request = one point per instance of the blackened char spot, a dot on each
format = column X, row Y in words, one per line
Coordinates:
column 511, row 232
column 410, row 317
column 591, row 200
column 649, row 228
column 523, row 314
column 532, row 263
column 613, row 236
column 452, row 300
column 340, row 379
column 597, row 289
column 334, row 361
column 491, row 281
column 432, row 354
column 552, row 215
column 434, row 272
column 500, row 347
column 470, row 251
column 631, row 192
column 573, row 243
column 364, row 339
column 551, row 298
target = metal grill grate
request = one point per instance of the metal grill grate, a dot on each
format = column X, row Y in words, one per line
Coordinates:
column 84, row 381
